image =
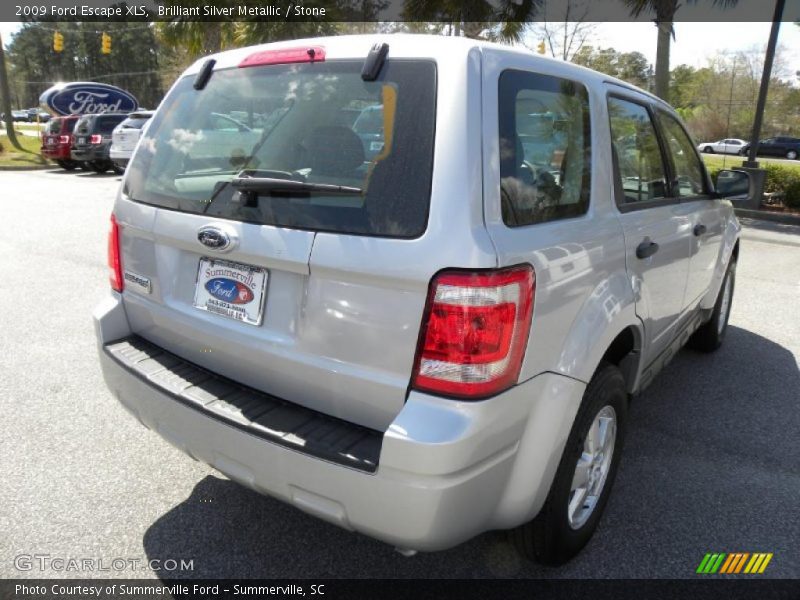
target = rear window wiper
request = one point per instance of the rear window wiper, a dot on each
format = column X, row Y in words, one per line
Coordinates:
column 252, row 186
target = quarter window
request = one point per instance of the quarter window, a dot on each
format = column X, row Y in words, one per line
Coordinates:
column 640, row 169
column 545, row 148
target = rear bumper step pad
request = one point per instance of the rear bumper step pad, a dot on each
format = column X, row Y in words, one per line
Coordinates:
column 275, row 420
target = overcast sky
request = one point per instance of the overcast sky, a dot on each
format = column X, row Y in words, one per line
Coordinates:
column 694, row 43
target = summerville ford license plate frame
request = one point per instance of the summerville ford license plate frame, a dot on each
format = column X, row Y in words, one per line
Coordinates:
column 231, row 289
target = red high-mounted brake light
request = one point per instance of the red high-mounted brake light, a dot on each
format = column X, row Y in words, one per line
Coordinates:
column 475, row 331
column 285, row 56
column 114, row 261
column 96, row 138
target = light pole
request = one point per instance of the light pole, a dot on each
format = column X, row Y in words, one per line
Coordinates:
column 758, row 175
column 751, row 161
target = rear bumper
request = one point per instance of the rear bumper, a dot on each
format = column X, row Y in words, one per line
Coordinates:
column 120, row 157
column 446, row 470
column 89, row 153
column 56, row 152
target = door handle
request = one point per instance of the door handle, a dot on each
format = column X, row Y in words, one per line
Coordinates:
column 699, row 229
column 646, row 249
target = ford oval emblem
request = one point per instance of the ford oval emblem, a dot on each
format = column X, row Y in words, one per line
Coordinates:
column 228, row 290
column 86, row 98
column 214, row 238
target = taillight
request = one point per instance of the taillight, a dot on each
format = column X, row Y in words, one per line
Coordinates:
column 96, row 139
column 475, row 331
column 114, row 262
column 63, row 139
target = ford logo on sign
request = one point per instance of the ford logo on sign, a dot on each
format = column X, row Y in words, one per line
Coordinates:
column 214, row 238
column 228, row 290
column 87, row 98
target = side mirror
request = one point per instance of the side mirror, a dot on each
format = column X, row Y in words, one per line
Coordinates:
column 734, row 185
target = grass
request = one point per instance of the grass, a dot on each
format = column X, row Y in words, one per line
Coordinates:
column 11, row 157
column 730, row 161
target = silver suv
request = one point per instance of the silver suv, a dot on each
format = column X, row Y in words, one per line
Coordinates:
column 424, row 335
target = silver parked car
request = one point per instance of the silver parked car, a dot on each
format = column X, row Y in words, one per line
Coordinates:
column 427, row 341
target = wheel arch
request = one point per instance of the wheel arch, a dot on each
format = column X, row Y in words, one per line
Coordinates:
column 625, row 352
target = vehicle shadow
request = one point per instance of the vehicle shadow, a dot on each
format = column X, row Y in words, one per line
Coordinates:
column 81, row 173
column 771, row 226
column 94, row 175
column 708, row 423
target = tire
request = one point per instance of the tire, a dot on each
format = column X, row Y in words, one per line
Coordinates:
column 743, row 152
column 559, row 532
column 68, row 165
column 708, row 150
column 711, row 334
column 791, row 155
column 117, row 169
column 98, row 166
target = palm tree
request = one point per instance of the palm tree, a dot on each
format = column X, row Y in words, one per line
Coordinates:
column 6, row 105
column 665, row 17
column 476, row 16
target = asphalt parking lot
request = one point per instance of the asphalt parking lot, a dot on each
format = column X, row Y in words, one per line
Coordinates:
column 711, row 463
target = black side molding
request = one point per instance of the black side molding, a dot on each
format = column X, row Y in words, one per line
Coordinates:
column 273, row 419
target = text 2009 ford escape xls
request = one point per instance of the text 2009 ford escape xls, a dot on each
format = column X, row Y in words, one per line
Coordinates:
column 427, row 330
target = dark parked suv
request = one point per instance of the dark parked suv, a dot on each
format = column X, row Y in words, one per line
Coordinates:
column 92, row 140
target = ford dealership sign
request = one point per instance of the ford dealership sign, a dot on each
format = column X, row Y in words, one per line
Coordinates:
column 85, row 98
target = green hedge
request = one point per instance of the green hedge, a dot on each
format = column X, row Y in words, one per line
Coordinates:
column 780, row 179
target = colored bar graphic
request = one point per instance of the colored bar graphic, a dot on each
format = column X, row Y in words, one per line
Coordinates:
column 764, row 564
column 741, row 562
column 733, row 563
column 703, row 563
column 729, row 562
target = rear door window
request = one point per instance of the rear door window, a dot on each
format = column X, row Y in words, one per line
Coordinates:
column 311, row 124
column 545, row 148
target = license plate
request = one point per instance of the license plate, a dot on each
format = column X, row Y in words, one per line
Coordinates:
column 81, row 140
column 51, row 141
column 231, row 289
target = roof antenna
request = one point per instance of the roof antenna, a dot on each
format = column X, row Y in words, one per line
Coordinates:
column 375, row 59
column 204, row 74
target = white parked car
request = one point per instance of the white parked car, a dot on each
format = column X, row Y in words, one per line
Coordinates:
column 726, row 146
column 125, row 137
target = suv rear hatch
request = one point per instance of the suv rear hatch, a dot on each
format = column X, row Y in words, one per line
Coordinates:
column 94, row 130
column 126, row 134
column 262, row 237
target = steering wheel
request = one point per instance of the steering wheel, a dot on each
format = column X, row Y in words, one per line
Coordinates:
column 533, row 172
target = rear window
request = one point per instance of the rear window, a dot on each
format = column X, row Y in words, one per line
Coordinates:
column 134, row 122
column 107, row 124
column 312, row 124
